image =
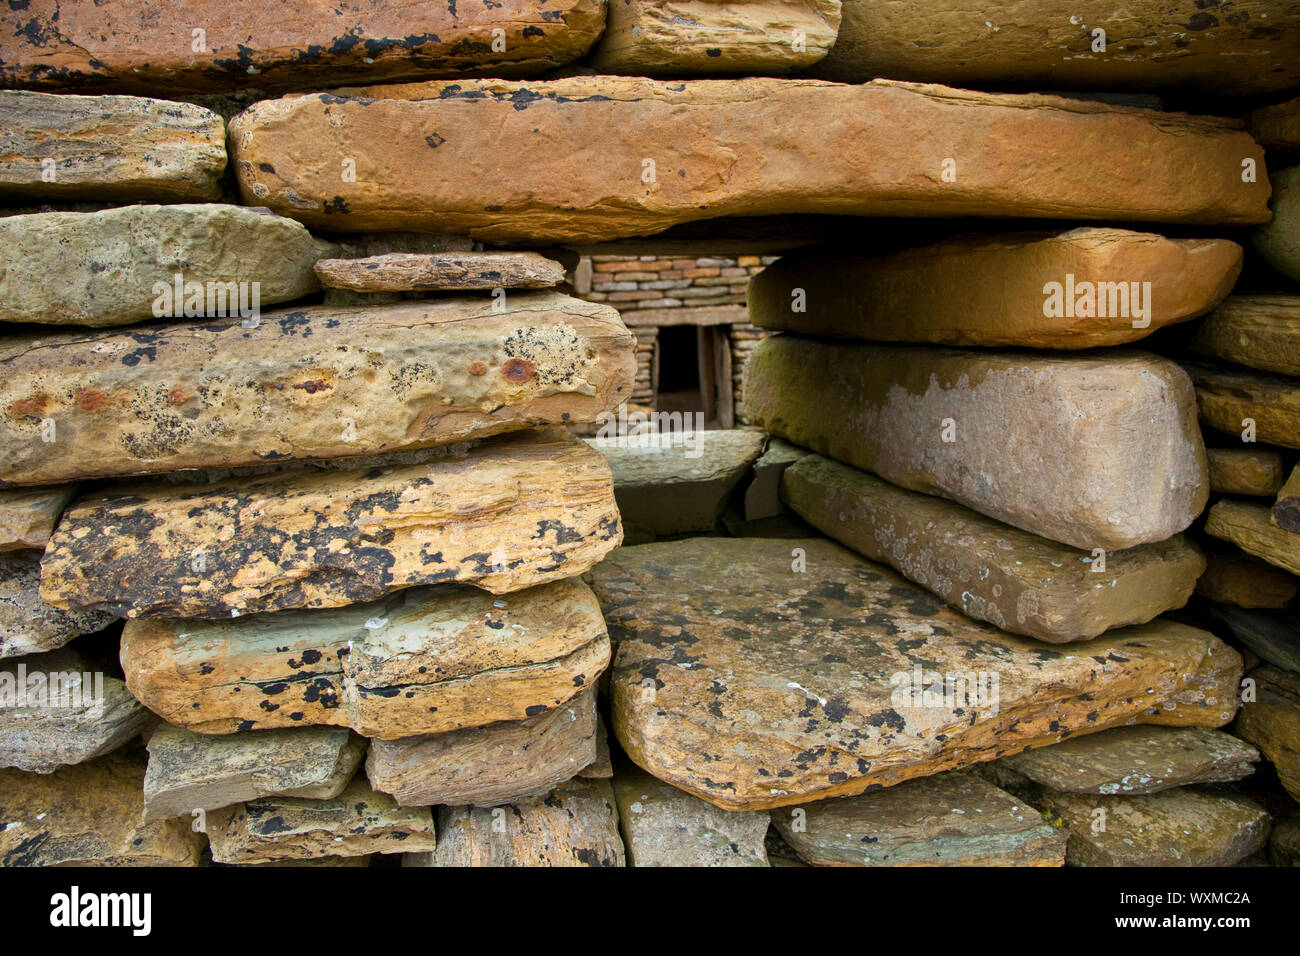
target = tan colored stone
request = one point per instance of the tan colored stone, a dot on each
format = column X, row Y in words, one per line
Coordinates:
column 291, row 44
column 88, row 815
column 108, row 148
column 1245, row 471
column 357, row 822
column 1286, row 509
column 1127, row 461
column 27, row 518
column 1284, row 842
column 1262, row 331
column 1033, row 43
column 28, row 625
column 1248, row 526
column 317, row 382
column 1278, row 240
column 573, row 825
column 994, row 289
column 1234, row 578
column 1226, row 398
column 423, row 661
column 1277, row 127
column 1272, row 722
column 753, row 685
column 707, row 38
column 407, row 271
column 950, row 819
column 486, row 766
column 602, row 768
column 723, row 148
column 109, row 267
column 988, row 570
column 513, row 512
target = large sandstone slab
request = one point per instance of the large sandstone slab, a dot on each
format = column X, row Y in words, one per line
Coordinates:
column 1182, row 827
column 990, row 571
column 1245, row 471
column 1112, row 286
column 950, row 819
column 312, row 383
column 485, row 766
column 753, row 684
column 88, row 815
column 664, row 826
column 1234, row 401
column 27, row 518
column 1261, row 331
column 707, row 38
column 595, row 158
column 1278, row 241
column 189, row 772
column 287, row 45
column 56, row 709
column 357, row 822
column 1249, row 527
column 1128, row 463
column 1272, row 723
column 423, row 661
column 108, row 148
column 508, row 514
column 573, row 825
column 433, row 271
column 111, row 267
column 1137, row 760
column 1249, row 48
column 28, row 624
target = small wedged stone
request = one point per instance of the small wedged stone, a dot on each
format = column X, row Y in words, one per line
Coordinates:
column 990, row 571
column 313, row 383
column 57, row 710
column 602, row 768
column 510, row 513
column 1128, row 462
column 1286, row 509
column 774, row 672
column 1272, row 722
column 1278, row 126
column 1233, row 401
column 437, row 271
column 1260, row 331
column 189, row 771
column 664, row 826
column 1284, row 842
column 763, row 495
column 707, row 38
column 108, row 148
column 1232, row 577
column 1112, row 286
column 485, row 766
column 1278, row 240
column 27, row 518
column 28, row 625
column 1245, row 471
column 88, row 815
column 950, row 819
column 574, row 825
column 1249, row 527
column 423, row 661
column 1273, row 636
column 1181, row 827
column 723, row 148
column 119, row 266
column 357, row 822
column 1137, row 760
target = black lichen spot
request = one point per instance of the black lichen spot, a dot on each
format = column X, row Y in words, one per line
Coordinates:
column 713, row 51
column 434, row 140
column 337, row 204
column 532, row 710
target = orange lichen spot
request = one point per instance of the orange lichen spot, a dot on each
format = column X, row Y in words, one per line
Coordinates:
column 90, row 399
column 518, row 370
column 477, row 368
column 34, row 407
column 176, row 396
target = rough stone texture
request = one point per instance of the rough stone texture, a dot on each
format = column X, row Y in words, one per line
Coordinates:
column 1274, row 637
column 951, row 819
column 406, row 271
column 96, row 717
column 1284, row 842
column 423, row 661
column 573, row 825
column 1248, row 526
column 287, row 45
column 317, row 382
column 1253, row 47
column 49, row 820
column 485, row 766
column 357, row 822
column 508, row 514
column 1262, row 331
column 1286, row 509
column 1183, row 827
column 27, row 624
column 1278, row 241
column 1134, row 760
column 27, row 518
column 709, row 38
column 753, row 685
column 110, row 148
column 674, row 482
column 189, row 771
column 1128, row 463
column 1245, row 471
column 992, row 572
column 723, row 148
column 1234, row 578
column 602, row 768
column 1272, row 723
column 1277, row 127
column 1226, row 398
column 991, row 289
column 664, row 826
column 100, row 268
column 763, row 495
